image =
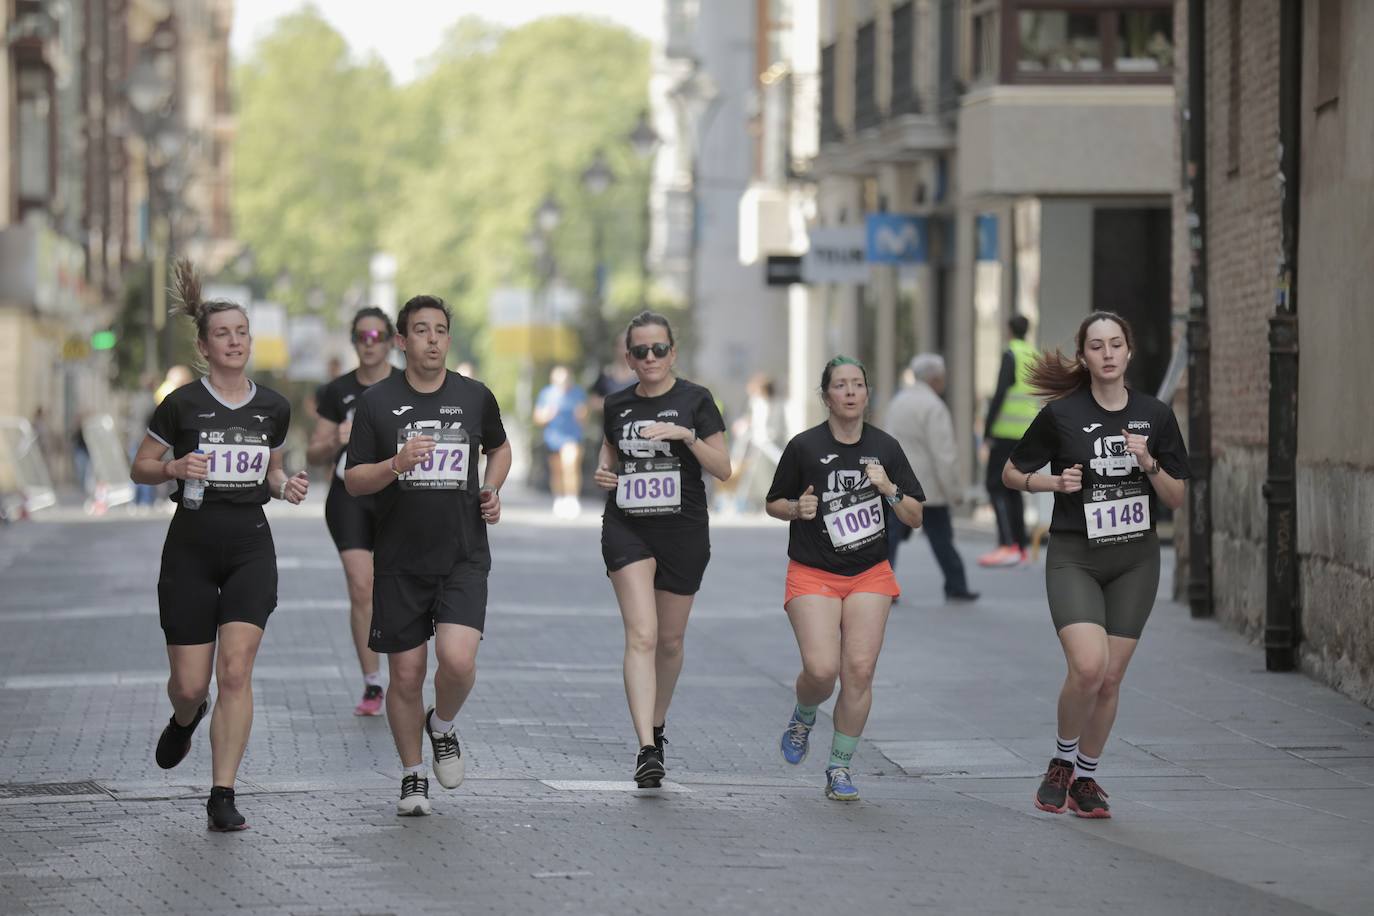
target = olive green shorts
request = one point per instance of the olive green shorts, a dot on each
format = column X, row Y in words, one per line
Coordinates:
column 1112, row 586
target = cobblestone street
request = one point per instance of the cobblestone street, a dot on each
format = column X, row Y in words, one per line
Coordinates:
column 1233, row 790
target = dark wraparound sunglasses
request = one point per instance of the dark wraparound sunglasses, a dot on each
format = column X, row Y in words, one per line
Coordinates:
column 640, row 351
column 367, row 337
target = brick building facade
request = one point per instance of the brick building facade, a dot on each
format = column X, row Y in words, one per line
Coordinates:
column 1335, row 445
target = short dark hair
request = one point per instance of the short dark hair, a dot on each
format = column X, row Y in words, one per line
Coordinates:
column 646, row 318
column 415, row 303
column 372, row 312
column 1018, row 325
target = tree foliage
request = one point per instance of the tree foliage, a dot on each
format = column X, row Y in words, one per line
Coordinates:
column 334, row 162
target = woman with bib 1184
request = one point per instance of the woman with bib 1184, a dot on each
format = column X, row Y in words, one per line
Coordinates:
column 218, row 583
column 1114, row 455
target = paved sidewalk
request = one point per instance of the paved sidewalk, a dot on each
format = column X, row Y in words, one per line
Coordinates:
column 1234, row 790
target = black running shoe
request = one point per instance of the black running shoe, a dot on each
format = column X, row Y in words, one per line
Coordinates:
column 659, row 741
column 175, row 742
column 649, row 768
column 414, row 796
column 1086, row 798
column 1054, row 788
column 223, row 816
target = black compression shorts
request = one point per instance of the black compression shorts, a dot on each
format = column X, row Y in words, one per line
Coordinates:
column 219, row 566
column 1112, row 586
column 681, row 554
column 406, row 608
column 351, row 520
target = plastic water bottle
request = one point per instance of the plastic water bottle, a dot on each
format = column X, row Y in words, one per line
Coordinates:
column 193, row 491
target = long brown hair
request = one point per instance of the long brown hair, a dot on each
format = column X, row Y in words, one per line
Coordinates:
column 186, row 292
column 1054, row 375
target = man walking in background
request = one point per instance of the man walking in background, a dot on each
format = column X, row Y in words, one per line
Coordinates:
column 921, row 423
column 1010, row 412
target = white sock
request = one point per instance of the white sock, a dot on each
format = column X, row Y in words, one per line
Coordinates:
column 1065, row 748
column 439, row 726
column 373, row 680
column 417, row 770
column 1085, row 766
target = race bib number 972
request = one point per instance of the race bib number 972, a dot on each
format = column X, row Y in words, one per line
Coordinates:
column 235, row 459
column 446, row 468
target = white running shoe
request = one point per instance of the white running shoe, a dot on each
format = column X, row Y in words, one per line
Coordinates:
column 414, row 796
column 448, row 756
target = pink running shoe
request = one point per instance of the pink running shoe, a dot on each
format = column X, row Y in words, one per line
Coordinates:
column 371, row 703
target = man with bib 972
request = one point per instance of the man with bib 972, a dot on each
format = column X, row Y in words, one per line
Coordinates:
column 414, row 443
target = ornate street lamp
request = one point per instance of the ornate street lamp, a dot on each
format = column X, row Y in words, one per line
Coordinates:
column 598, row 177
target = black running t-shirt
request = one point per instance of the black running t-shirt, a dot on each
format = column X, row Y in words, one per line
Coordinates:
column 335, row 402
column 849, row 533
column 1075, row 429
column 429, row 520
column 237, row 439
column 660, row 480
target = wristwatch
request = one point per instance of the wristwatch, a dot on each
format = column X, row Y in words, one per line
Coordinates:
column 896, row 497
column 1154, row 470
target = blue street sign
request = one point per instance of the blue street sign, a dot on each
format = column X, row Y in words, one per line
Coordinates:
column 897, row 238
column 987, row 236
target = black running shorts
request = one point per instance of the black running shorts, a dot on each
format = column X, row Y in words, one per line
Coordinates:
column 681, row 554
column 406, row 608
column 351, row 520
column 1112, row 586
column 219, row 566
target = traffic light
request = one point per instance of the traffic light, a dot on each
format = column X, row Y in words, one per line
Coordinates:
column 103, row 340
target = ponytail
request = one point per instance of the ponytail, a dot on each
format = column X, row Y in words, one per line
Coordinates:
column 186, row 293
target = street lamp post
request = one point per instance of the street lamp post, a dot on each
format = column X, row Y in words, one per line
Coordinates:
column 644, row 141
column 597, row 178
column 543, row 224
column 696, row 101
column 149, row 91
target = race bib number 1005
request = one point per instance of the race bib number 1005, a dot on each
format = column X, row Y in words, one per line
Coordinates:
column 854, row 520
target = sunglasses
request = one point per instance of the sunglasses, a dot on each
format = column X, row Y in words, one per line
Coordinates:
column 367, row 337
column 641, row 351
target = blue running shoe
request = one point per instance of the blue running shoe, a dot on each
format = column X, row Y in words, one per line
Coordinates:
column 839, row 786
column 796, row 741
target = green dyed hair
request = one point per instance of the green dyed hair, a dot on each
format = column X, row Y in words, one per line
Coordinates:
column 830, row 369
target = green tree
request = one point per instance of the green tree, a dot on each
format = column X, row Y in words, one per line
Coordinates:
column 313, row 173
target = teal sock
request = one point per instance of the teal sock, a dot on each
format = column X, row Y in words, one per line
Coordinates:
column 841, row 750
column 807, row 713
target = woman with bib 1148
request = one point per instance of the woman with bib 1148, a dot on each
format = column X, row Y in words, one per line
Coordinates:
column 1114, row 454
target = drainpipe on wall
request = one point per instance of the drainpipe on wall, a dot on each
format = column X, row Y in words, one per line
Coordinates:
column 1282, row 626
column 1199, row 340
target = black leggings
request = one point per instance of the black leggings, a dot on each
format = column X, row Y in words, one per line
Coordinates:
column 1006, row 503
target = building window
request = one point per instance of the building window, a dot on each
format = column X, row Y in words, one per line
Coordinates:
column 866, row 112
column 985, row 46
column 1144, row 41
column 33, row 91
column 682, row 28
column 830, row 125
column 1058, row 41
column 1328, row 53
column 1109, row 41
column 904, row 96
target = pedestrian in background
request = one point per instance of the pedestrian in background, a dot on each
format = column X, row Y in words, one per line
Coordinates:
column 920, row 421
column 561, row 409
column 760, row 433
column 1010, row 412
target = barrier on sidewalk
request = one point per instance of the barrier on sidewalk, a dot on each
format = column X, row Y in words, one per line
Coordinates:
column 109, row 475
column 25, row 485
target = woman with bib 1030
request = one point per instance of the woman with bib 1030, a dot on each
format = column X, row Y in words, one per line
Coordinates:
column 218, row 582
column 660, row 434
column 1114, row 454
column 835, row 483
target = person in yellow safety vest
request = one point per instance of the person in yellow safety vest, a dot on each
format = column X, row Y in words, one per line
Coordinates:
column 1010, row 412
